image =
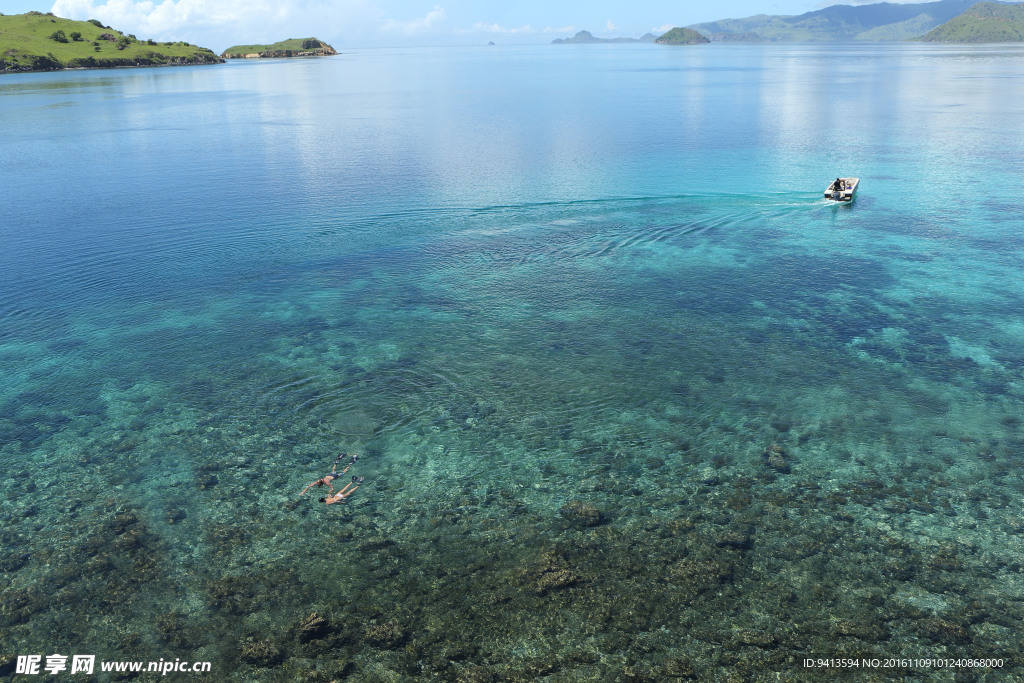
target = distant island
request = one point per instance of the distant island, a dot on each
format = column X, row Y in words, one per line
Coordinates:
column 985, row 22
column 681, row 36
column 963, row 21
column 293, row 47
column 42, row 42
column 588, row 37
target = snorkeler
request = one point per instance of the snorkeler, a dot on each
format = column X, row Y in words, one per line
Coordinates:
column 328, row 478
column 344, row 493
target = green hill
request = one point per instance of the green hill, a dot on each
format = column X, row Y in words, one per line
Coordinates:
column 293, row 47
column 681, row 36
column 985, row 22
column 880, row 21
column 43, row 42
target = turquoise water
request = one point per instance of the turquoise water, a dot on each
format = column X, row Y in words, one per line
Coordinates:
column 632, row 400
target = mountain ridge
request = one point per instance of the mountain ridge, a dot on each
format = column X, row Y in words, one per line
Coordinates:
column 983, row 22
column 885, row 21
column 588, row 37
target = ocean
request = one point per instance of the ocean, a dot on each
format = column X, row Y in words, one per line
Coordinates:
column 631, row 400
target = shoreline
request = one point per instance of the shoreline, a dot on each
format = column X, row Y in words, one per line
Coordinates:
column 103, row 68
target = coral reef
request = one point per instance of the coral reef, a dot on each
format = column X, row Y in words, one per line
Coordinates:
column 527, row 513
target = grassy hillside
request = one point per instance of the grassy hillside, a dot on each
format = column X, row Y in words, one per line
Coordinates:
column 284, row 48
column 880, row 21
column 681, row 36
column 985, row 22
column 39, row 42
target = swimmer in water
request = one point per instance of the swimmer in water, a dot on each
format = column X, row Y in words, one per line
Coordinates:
column 333, row 474
column 344, row 493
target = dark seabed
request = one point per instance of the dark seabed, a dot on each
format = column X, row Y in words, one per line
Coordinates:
column 633, row 402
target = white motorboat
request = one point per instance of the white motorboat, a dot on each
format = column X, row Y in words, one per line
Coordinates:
column 842, row 189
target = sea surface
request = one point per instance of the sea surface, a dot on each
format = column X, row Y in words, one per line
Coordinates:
column 632, row 401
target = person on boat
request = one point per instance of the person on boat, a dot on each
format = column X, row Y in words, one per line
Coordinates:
column 838, row 185
column 333, row 474
column 342, row 495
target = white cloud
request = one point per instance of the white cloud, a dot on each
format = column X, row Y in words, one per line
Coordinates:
column 564, row 29
column 153, row 19
column 219, row 23
column 415, row 26
column 662, row 29
column 609, row 26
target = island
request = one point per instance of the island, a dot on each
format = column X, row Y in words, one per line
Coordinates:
column 588, row 37
column 984, row 22
column 681, row 36
column 293, row 47
column 43, row 42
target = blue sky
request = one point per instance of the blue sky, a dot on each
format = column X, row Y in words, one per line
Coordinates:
column 357, row 23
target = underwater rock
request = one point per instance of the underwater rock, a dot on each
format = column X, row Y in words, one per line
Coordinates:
column 533, row 669
column 477, row 674
column 580, row 514
column 312, row 627
column 740, row 539
column 739, row 500
column 172, row 627
column 757, row 638
column 776, row 458
column 233, row 594
column 711, row 480
column 1014, row 524
column 677, row 667
column 946, row 559
column 206, row 481
column 581, row 656
column 867, row 631
column 461, row 651
column 122, row 522
column 176, row 515
column 129, row 443
column 388, row 635
column 555, row 572
column 131, row 539
column 896, row 506
column 944, row 631
column 14, row 562
column 556, row 579
column 19, row 605
column 261, row 653
column 679, row 528
column 700, row 575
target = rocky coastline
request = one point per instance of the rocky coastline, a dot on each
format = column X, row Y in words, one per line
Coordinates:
column 47, row 63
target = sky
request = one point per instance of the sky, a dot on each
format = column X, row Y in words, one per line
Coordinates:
column 218, row 24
